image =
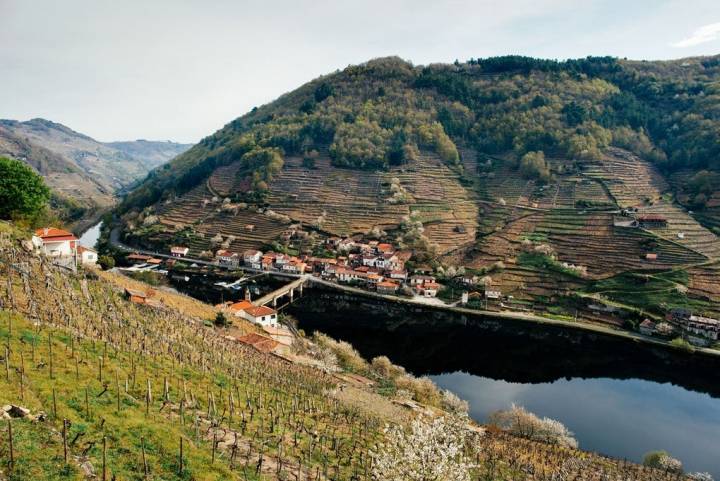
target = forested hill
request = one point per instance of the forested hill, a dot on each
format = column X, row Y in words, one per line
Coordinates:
column 384, row 112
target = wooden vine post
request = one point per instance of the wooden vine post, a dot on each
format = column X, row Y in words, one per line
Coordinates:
column 144, row 459
column 10, row 443
column 64, row 435
column 180, row 463
column 104, row 459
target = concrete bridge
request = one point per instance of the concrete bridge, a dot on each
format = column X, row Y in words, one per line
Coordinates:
column 286, row 290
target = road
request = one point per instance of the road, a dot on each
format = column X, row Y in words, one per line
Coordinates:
column 510, row 315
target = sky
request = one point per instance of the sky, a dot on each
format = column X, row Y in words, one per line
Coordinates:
column 181, row 69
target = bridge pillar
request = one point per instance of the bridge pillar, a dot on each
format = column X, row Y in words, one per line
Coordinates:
column 274, row 301
column 292, row 294
column 301, row 287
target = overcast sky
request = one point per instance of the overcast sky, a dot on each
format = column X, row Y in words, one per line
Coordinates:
column 181, row 69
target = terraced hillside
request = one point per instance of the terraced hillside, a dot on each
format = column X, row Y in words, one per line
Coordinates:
column 489, row 163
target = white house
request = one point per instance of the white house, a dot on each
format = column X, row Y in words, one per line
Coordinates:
column 262, row 315
column 370, row 261
column 227, row 258
column 398, row 275
column 429, row 289
column 86, row 256
column 253, row 258
column 179, row 251
column 295, row 266
column 421, row 279
column 492, row 294
column 704, row 326
column 55, row 242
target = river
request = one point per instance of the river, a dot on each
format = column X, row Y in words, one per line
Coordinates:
column 620, row 398
column 90, row 237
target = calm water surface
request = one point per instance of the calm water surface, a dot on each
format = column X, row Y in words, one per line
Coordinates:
column 91, row 236
column 621, row 418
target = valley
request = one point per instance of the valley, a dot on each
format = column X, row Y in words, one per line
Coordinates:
column 86, row 176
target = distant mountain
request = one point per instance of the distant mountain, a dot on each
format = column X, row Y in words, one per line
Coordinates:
column 84, row 174
column 152, row 152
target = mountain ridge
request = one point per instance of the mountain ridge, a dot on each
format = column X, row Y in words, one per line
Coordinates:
column 86, row 175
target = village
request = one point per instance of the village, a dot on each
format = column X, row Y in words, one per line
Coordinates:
column 372, row 265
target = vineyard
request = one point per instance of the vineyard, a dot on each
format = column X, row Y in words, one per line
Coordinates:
column 108, row 389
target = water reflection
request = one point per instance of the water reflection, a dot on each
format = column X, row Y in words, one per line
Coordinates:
column 621, row 418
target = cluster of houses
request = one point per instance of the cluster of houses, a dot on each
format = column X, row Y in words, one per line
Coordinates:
column 63, row 248
column 375, row 265
column 699, row 330
column 255, row 259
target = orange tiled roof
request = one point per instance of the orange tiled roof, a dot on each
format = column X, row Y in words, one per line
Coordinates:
column 54, row 234
column 259, row 342
column 259, row 311
column 240, row 306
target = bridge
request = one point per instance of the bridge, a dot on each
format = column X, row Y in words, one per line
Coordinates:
column 286, row 290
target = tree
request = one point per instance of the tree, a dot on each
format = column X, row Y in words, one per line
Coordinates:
column 106, row 262
column 431, row 449
column 23, row 193
column 534, row 166
column 662, row 460
column 221, row 319
column 523, row 423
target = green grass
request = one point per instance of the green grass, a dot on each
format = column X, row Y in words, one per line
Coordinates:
column 655, row 292
column 111, row 337
column 539, row 261
column 39, row 450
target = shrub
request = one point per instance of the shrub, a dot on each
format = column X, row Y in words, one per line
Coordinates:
column 106, row 262
column 221, row 320
column 348, row 358
column 534, row 166
column 662, row 460
column 520, row 422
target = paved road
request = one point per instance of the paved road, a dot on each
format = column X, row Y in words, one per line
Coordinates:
column 511, row 315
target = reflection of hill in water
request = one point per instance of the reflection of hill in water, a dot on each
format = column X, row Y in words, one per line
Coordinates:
column 427, row 341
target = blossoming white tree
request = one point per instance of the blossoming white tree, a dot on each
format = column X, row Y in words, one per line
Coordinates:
column 521, row 422
column 429, row 450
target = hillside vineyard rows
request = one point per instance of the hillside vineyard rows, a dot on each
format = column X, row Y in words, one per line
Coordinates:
column 118, row 390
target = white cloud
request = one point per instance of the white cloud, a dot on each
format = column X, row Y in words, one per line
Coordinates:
column 704, row 34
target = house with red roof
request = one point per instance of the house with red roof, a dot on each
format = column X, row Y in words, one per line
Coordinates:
column 237, row 308
column 87, row 256
column 55, row 242
column 262, row 315
column 227, row 258
column 385, row 248
column 428, row 289
column 253, row 258
column 387, row 287
column 261, row 343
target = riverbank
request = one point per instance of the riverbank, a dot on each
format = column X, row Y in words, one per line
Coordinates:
column 114, row 240
column 520, row 316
